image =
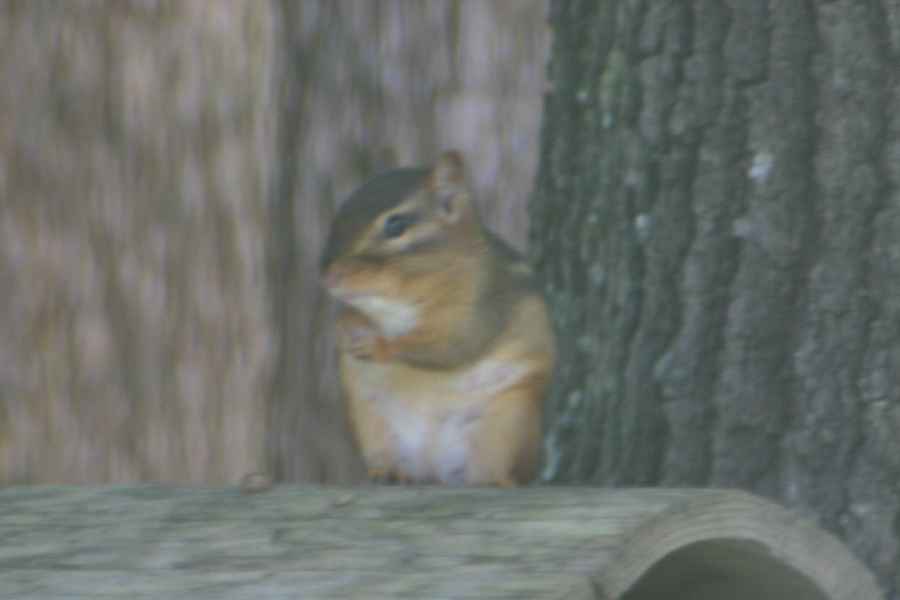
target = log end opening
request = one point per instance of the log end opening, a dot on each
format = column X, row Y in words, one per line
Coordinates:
column 722, row 544
column 725, row 568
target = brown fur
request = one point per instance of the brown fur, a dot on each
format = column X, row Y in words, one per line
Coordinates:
column 446, row 347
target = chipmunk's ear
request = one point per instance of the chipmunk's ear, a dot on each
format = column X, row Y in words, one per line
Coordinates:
column 448, row 182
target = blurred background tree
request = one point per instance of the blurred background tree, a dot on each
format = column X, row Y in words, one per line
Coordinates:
column 717, row 219
column 134, row 142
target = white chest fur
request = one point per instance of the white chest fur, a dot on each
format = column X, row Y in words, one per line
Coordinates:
column 433, row 417
column 432, row 445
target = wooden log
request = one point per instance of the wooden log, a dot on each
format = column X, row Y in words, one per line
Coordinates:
column 146, row 541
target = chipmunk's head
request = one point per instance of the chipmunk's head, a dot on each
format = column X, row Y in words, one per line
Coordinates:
column 396, row 230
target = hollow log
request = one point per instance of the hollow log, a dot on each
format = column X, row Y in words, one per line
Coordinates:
column 149, row 541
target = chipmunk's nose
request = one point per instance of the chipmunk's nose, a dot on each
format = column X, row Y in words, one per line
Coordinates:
column 331, row 278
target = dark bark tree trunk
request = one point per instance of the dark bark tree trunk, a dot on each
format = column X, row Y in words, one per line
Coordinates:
column 717, row 219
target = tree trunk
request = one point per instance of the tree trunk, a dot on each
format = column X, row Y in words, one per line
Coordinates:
column 717, row 220
column 135, row 342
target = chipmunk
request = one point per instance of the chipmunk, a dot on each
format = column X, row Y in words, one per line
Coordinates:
column 445, row 344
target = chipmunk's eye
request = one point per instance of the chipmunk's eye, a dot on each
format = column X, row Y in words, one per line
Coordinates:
column 396, row 225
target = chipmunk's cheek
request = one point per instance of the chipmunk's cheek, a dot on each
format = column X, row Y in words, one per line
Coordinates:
column 377, row 293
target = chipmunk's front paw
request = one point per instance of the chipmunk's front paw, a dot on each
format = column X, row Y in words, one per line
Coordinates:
column 364, row 343
column 360, row 342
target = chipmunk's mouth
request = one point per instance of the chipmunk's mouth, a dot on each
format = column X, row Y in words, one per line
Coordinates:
column 334, row 285
column 393, row 317
column 351, row 297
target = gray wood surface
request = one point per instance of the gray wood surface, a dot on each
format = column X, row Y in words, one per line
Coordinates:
column 147, row 541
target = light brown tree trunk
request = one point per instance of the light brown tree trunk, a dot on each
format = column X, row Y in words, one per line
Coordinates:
column 717, row 218
column 135, row 341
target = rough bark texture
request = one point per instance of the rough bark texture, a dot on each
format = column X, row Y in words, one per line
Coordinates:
column 166, row 171
column 372, row 543
column 717, row 218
